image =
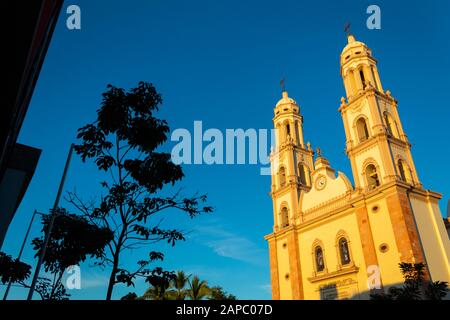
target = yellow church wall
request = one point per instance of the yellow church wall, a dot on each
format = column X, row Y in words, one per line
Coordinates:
column 275, row 214
column 335, row 188
column 326, row 232
column 283, row 270
column 383, row 233
column 433, row 237
column 440, row 226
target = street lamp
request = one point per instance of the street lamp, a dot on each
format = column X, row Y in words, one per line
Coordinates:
column 50, row 226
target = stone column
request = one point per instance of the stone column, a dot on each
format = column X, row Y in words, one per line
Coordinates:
column 274, row 269
column 294, row 266
column 369, row 76
column 300, row 133
column 347, row 85
column 349, row 140
column 377, row 79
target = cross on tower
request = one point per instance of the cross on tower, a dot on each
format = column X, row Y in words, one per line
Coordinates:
column 347, row 28
column 283, row 88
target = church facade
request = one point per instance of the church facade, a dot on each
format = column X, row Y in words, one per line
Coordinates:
column 335, row 240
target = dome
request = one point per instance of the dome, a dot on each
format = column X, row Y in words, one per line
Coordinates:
column 353, row 43
column 354, row 49
column 285, row 99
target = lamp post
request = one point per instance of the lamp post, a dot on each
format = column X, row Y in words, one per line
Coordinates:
column 50, row 226
column 5, row 296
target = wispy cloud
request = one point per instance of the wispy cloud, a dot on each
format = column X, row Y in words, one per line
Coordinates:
column 230, row 245
column 266, row 287
column 206, row 272
column 89, row 279
column 93, row 280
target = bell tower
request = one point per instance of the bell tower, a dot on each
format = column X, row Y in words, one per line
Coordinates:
column 291, row 166
column 292, row 161
column 376, row 144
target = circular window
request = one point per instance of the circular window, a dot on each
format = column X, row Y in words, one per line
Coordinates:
column 286, row 276
column 375, row 208
column 384, row 247
column 284, row 245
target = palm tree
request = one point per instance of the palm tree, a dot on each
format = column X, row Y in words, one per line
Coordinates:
column 182, row 287
column 436, row 290
column 177, row 289
column 198, row 290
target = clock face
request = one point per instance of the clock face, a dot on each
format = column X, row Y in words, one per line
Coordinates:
column 321, row 182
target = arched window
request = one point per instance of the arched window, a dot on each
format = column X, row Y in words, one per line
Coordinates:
column 282, row 176
column 361, row 128
column 296, row 129
column 403, row 170
column 318, row 255
column 373, row 180
column 302, row 173
column 373, row 72
column 288, row 130
column 344, row 253
column 363, row 79
column 284, row 217
column 391, row 126
column 388, row 123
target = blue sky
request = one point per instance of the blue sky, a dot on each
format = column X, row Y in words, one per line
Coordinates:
column 221, row 62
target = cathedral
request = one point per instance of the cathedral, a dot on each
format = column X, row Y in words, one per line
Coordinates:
column 332, row 239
